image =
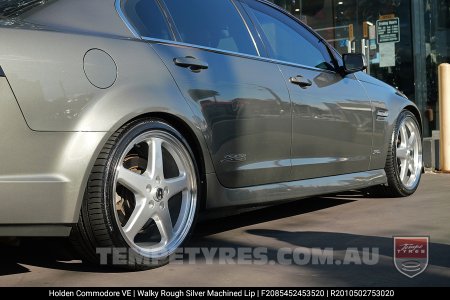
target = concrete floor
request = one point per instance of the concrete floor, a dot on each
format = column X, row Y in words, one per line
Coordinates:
column 340, row 222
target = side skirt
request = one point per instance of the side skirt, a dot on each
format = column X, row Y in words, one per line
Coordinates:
column 219, row 196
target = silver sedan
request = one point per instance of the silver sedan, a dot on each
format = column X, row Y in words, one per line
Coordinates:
column 124, row 120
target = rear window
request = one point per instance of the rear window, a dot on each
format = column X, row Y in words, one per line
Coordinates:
column 15, row 8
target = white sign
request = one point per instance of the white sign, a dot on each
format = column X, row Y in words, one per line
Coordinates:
column 387, row 55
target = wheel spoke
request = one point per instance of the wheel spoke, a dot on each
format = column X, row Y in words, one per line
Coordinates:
column 140, row 216
column 177, row 185
column 412, row 139
column 403, row 134
column 412, row 166
column 163, row 221
column 402, row 152
column 403, row 170
column 135, row 182
column 155, row 158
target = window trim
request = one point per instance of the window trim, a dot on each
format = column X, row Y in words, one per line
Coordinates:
column 169, row 20
column 232, row 53
column 119, row 9
column 241, row 11
column 268, row 59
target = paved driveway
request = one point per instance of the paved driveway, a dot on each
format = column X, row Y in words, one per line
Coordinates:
column 349, row 224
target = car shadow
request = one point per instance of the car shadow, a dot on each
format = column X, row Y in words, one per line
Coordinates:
column 303, row 246
column 239, row 219
column 342, row 241
column 50, row 253
column 56, row 253
column 383, row 273
column 9, row 261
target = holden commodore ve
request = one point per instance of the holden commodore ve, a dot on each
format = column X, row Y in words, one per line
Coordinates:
column 124, row 120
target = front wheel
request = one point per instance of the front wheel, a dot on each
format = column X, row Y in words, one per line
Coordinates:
column 404, row 160
column 141, row 200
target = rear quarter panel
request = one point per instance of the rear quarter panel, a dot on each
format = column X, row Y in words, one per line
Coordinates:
column 43, row 60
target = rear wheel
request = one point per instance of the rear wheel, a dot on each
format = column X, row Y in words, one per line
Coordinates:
column 404, row 160
column 141, row 200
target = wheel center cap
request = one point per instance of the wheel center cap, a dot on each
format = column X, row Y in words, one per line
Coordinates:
column 159, row 195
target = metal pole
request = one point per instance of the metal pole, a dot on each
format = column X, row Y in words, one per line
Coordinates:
column 366, row 51
column 444, row 105
column 419, row 40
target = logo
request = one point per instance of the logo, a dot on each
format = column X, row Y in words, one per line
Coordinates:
column 234, row 158
column 411, row 255
column 159, row 194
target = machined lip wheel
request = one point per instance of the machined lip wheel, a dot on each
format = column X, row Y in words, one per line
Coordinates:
column 155, row 189
column 409, row 153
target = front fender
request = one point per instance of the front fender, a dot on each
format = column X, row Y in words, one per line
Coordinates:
column 387, row 104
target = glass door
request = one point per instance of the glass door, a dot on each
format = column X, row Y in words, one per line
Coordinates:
column 381, row 29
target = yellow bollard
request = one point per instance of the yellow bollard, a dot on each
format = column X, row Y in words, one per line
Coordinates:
column 444, row 108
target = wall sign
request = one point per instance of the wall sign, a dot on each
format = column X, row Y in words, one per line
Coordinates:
column 388, row 31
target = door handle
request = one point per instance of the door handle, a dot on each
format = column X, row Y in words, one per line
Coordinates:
column 192, row 63
column 301, row 81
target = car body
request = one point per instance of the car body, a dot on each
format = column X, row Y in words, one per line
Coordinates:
column 260, row 125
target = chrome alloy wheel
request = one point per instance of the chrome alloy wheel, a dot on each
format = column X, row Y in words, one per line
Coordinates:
column 409, row 153
column 156, row 194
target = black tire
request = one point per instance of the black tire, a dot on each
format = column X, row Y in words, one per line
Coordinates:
column 98, row 229
column 395, row 187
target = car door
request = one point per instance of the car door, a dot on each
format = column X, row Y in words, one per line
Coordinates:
column 331, row 115
column 243, row 99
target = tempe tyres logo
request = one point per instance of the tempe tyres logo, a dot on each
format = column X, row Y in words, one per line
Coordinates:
column 411, row 255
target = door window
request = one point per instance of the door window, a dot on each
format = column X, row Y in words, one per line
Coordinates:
column 214, row 24
column 288, row 40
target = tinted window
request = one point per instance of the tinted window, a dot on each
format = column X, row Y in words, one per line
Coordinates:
column 211, row 23
column 147, row 18
column 289, row 40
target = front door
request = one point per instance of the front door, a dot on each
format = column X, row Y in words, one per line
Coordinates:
column 332, row 124
column 331, row 115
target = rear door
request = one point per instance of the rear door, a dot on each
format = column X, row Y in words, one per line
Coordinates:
column 331, row 114
column 244, row 100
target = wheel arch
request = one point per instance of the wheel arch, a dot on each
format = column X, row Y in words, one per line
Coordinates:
column 415, row 111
